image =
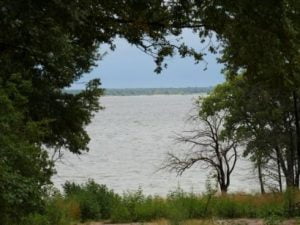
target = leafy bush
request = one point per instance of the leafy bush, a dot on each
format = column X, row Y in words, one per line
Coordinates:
column 121, row 214
column 58, row 211
column 24, row 172
column 36, row 219
column 152, row 208
column 226, row 207
column 95, row 201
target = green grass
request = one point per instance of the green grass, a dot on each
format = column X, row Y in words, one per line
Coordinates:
column 91, row 202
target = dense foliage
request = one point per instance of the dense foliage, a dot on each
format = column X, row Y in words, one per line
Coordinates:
column 262, row 88
column 258, row 43
column 47, row 45
column 44, row 47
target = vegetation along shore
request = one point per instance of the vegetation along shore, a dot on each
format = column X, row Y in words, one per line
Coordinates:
column 48, row 46
column 94, row 202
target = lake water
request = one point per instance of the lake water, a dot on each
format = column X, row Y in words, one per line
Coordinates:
column 129, row 141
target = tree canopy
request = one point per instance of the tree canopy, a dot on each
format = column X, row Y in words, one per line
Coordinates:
column 44, row 47
column 47, row 45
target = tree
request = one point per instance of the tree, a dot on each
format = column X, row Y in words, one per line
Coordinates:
column 52, row 44
column 44, row 47
column 47, row 45
column 264, row 121
column 260, row 40
column 24, row 167
column 207, row 146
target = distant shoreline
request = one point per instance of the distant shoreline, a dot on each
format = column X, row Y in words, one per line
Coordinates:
column 149, row 91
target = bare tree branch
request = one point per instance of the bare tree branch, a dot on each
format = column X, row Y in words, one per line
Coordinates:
column 206, row 147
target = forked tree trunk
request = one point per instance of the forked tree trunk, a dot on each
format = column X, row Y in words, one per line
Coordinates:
column 223, row 188
column 222, row 181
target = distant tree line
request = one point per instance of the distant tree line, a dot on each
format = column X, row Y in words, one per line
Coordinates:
column 150, row 91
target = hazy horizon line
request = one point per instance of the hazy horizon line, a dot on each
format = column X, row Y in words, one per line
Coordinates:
column 115, row 88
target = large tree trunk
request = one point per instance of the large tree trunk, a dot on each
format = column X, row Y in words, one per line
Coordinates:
column 290, row 162
column 222, row 181
column 279, row 173
column 223, row 188
column 295, row 99
column 290, row 175
column 260, row 177
column 287, row 166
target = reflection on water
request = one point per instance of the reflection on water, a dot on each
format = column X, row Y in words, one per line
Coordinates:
column 129, row 140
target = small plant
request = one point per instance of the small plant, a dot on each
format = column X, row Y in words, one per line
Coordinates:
column 273, row 220
column 211, row 190
column 290, row 202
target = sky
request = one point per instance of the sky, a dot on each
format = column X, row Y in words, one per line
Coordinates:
column 129, row 67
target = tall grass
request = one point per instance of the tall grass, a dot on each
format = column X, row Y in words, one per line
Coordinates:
column 57, row 211
column 91, row 201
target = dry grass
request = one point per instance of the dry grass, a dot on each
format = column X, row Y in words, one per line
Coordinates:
column 255, row 200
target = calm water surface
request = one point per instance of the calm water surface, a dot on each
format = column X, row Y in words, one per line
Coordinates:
column 129, row 140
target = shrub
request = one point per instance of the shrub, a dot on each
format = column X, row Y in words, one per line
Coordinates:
column 36, row 219
column 95, row 201
column 152, row 208
column 120, row 214
column 225, row 207
column 91, row 201
column 58, row 211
